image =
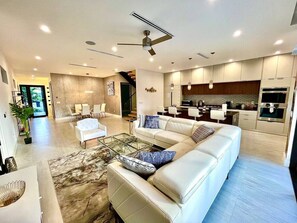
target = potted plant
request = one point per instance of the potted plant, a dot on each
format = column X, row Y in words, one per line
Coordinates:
column 23, row 113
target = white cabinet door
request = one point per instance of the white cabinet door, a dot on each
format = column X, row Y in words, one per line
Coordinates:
column 252, row 69
column 176, row 78
column 207, row 74
column 269, row 67
column 197, row 76
column 218, row 73
column 186, row 76
column 294, row 67
column 232, row 72
column 285, row 65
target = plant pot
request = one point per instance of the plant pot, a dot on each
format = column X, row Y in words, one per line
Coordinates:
column 28, row 140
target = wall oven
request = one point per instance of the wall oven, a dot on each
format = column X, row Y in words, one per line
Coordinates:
column 273, row 104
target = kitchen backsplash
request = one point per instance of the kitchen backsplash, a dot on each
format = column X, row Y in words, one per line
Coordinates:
column 221, row 99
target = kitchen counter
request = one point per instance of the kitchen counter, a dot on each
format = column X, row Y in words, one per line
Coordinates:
column 231, row 116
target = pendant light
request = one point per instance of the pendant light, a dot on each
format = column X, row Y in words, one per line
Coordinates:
column 172, row 86
column 189, row 86
column 210, row 86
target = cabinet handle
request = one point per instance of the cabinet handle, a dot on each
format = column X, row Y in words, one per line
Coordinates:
column 271, row 79
column 280, row 78
column 245, row 119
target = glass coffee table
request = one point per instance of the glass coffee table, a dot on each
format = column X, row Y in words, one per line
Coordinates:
column 125, row 144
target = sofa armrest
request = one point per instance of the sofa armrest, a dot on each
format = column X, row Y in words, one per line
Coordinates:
column 102, row 127
column 79, row 134
column 136, row 200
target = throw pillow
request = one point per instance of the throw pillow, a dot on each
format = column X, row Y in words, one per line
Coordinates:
column 151, row 122
column 141, row 121
column 202, row 132
column 136, row 165
column 158, row 159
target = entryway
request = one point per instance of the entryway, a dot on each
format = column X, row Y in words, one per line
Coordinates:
column 126, row 101
column 34, row 96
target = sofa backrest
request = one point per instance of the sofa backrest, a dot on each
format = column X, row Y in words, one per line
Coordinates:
column 180, row 125
column 88, row 124
column 213, row 125
column 163, row 120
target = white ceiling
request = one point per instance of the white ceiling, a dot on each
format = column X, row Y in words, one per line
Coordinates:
column 197, row 25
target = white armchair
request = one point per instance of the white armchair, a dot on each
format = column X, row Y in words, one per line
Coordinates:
column 88, row 129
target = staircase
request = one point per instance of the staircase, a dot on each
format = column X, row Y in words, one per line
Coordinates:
column 130, row 76
column 133, row 114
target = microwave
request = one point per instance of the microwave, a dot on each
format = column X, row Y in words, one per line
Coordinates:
column 278, row 95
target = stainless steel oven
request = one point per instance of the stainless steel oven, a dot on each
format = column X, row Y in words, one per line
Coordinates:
column 278, row 95
column 272, row 112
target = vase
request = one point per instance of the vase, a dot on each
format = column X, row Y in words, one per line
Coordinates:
column 10, row 164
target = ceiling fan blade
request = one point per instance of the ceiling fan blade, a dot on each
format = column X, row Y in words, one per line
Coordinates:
column 161, row 39
column 129, row 44
column 152, row 52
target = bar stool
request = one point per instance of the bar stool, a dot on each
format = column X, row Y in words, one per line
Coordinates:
column 173, row 111
column 217, row 115
column 194, row 112
column 160, row 109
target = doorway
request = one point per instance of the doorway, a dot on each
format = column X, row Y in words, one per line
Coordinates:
column 126, row 99
column 34, row 96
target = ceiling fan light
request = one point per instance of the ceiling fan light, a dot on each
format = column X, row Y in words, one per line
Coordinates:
column 147, row 47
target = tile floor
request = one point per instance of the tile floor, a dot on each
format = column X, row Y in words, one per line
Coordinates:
column 254, row 184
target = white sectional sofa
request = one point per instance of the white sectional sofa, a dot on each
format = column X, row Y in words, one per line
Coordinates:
column 181, row 191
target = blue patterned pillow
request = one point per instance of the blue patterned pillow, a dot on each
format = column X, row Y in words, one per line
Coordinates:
column 158, row 159
column 151, row 122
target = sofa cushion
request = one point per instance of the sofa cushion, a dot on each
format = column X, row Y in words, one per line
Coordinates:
column 136, row 165
column 215, row 146
column 181, row 178
column 151, row 121
column 163, row 121
column 147, row 132
column 92, row 134
column 180, row 149
column 158, row 159
column 170, row 137
column 230, row 132
column 180, row 125
column 202, row 132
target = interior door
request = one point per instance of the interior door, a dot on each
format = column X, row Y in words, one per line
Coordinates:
column 34, row 96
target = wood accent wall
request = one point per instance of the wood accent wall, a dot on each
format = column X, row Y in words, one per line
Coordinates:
column 246, row 87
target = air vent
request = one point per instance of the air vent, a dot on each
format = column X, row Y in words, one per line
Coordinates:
column 109, row 54
column 294, row 18
column 202, row 55
column 80, row 65
column 134, row 14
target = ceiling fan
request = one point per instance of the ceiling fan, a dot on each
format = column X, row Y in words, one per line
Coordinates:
column 147, row 43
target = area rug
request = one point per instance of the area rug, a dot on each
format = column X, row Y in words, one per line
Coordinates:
column 80, row 181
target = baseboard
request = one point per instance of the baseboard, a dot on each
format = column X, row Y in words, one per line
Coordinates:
column 64, row 119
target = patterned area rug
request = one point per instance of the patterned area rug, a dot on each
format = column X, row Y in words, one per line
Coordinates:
column 80, row 180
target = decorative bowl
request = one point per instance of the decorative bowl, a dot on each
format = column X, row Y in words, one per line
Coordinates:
column 11, row 192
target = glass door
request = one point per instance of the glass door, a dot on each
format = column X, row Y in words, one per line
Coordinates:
column 34, row 96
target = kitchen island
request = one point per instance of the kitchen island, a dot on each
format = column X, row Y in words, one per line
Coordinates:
column 231, row 116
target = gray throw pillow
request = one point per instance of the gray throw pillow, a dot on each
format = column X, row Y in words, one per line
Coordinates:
column 201, row 133
column 151, row 122
column 158, row 159
column 136, row 165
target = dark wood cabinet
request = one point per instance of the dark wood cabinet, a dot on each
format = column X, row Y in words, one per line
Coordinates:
column 246, row 87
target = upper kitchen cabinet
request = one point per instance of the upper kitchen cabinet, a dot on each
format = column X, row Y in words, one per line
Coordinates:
column 207, row 74
column 176, row 78
column 285, row 65
column 232, row 72
column 218, row 73
column 278, row 66
column 197, row 76
column 252, row 69
column 185, row 76
column 294, row 72
column 269, row 67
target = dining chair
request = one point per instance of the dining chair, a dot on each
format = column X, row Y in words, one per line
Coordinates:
column 85, row 112
column 73, row 114
column 77, row 108
column 96, row 110
column 194, row 112
column 102, row 110
column 173, row 111
column 218, row 115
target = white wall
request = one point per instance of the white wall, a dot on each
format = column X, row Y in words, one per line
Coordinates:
column 8, row 127
column 148, row 102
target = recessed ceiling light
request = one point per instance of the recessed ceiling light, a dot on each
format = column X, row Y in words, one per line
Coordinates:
column 151, row 59
column 35, row 69
column 37, row 57
column 237, row 33
column 116, row 70
column 278, row 42
column 85, row 64
column 92, row 43
column 114, row 49
column 160, row 67
column 45, row 28
column 70, row 72
column 231, row 60
column 277, row 52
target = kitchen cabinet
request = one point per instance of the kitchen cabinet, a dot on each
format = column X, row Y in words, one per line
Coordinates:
column 270, row 127
column 218, row 73
column 207, row 74
column 269, row 67
column 252, row 69
column 176, row 78
column 232, row 72
column 247, row 119
column 285, row 65
column 185, row 77
column 294, row 72
column 197, row 76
